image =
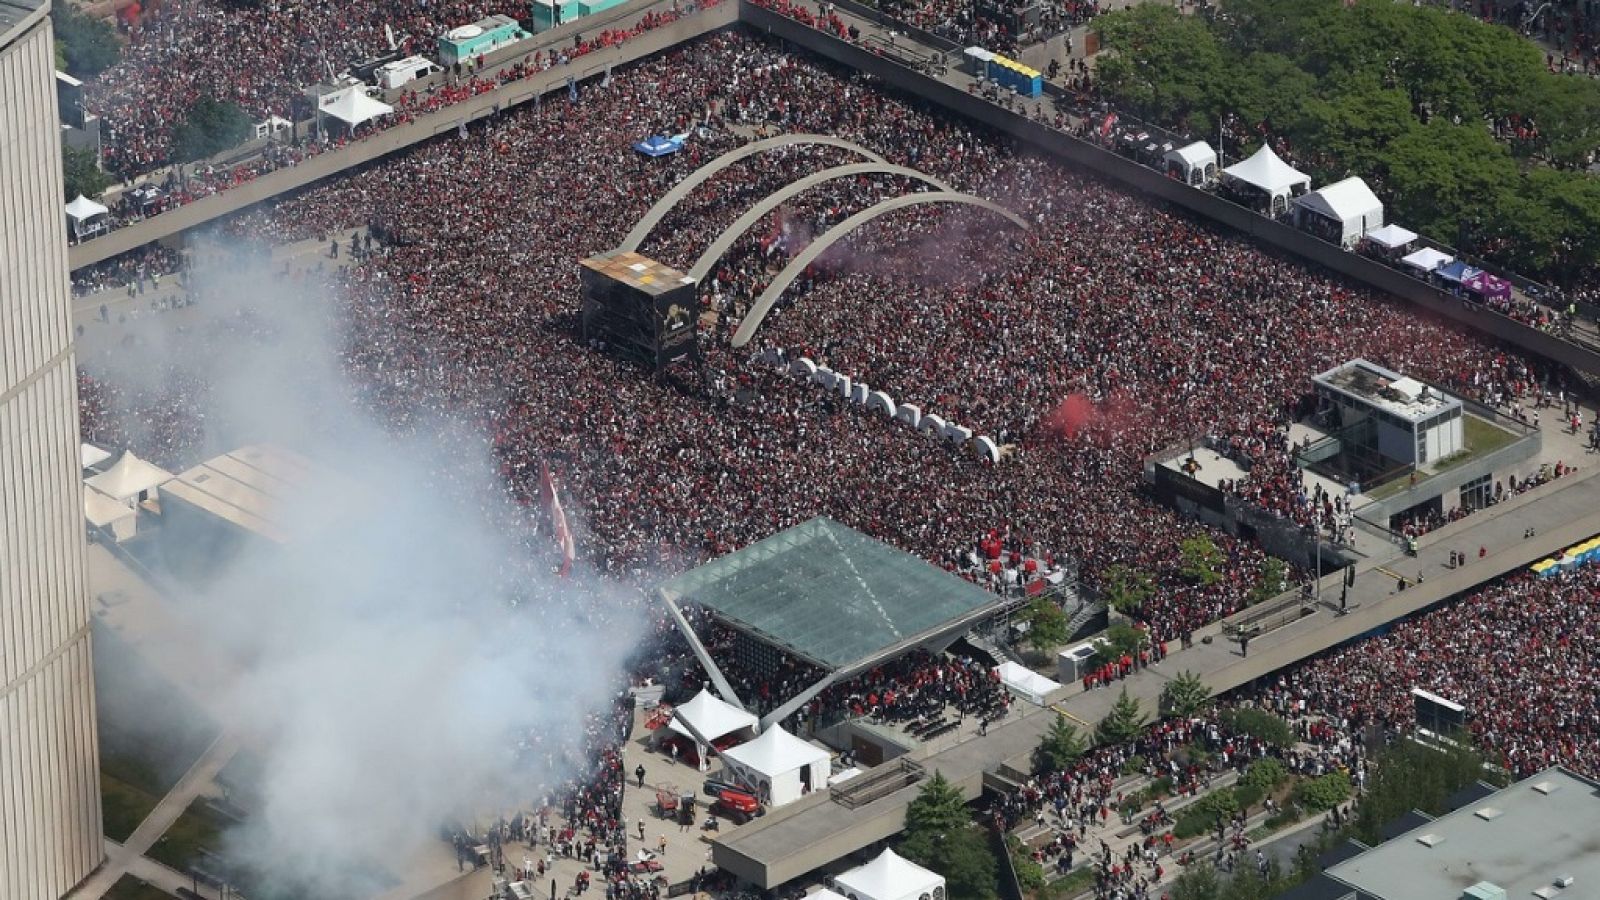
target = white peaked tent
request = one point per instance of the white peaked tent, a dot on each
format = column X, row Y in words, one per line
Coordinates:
column 91, row 455
column 891, row 877
column 1026, row 683
column 1427, row 259
column 352, row 106
column 711, row 716
column 1270, row 175
column 103, row 512
column 1391, row 237
column 81, row 210
column 1197, row 162
column 781, row 766
column 129, row 478
column 1348, row 206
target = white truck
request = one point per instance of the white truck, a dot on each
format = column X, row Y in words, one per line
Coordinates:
column 404, row 71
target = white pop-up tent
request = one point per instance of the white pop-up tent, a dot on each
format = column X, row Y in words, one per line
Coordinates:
column 87, row 217
column 1346, row 210
column 352, row 106
column 1196, row 163
column 103, row 512
column 710, row 716
column 781, row 766
column 891, row 877
column 129, row 478
column 1264, row 171
column 1427, row 259
column 1391, row 237
column 91, row 455
column 1026, row 683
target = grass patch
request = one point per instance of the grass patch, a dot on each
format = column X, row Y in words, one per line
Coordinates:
column 1072, row 884
column 123, row 805
column 131, row 888
column 1479, row 437
column 196, row 830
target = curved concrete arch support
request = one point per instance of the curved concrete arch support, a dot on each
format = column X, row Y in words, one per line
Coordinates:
column 699, row 176
column 772, row 201
column 816, row 248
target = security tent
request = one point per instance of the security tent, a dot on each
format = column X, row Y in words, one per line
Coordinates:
column 1026, row 683
column 1267, row 173
column 352, row 106
column 1195, row 163
column 1391, row 237
column 130, row 478
column 891, row 877
column 87, row 217
column 1342, row 211
column 1427, row 259
column 782, row 767
column 710, row 716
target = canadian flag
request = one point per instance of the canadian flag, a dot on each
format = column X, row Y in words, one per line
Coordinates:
column 558, row 518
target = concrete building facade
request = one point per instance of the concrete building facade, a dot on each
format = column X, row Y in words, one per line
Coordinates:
column 50, row 828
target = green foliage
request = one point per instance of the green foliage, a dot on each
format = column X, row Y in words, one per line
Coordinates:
column 210, row 127
column 1198, row 883
column 1265, row 773
column 1123, row 722
column 1248, row 795
column 1200, row 559
column 1133, row 764
column 1397, row 93
column 1185, row 695
column 1323, row 794
column 1047, row 625
column 81, row 174
column 1267, row 727
column 1410, row 776
column 1193, row 822
column 1060, row 747
column 1218, row 806
column 87, row 45
column 939, row 808
column 1126, row 589
column 1126, row 639
column 1029, row 873
column 1272, row 581
column 962, row 856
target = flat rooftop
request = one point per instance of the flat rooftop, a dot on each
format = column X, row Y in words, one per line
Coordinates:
column 1521, row 839
column 637, row 271
column 1387, row 390
column 247, row 488
column 832, row 596
column 13, row 12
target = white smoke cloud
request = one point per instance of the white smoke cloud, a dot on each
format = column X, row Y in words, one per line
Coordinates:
column 410, row 637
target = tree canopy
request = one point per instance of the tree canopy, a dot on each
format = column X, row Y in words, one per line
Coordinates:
column 1060, row 747
column 81, row 174
column 1455, row 123
column 940, row 835
column 86, row 45
column 211, row 127
column 1047, row 625
column 1124, row 722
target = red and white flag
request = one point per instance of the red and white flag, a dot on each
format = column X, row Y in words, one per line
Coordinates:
column 558, row 518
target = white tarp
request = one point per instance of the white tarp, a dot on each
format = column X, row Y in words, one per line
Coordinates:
column 824, row 894
column 92, row 455
column 1268, row 173
column 129, row 478
column 711, row 716
column 1026, row 683
column 352, row 106
column 780, row 765
column 82, row 208
column 1391, row 237
column 1427, row 259
column 1350, row 203
column 889, row 877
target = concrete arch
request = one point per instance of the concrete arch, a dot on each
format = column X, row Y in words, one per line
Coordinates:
column 699, row 176
column 752, row 321
column 777, row 198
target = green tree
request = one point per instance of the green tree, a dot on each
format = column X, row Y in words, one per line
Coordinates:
column 82, row 174
column 1198, row 883
column 1324, row 793
column 1200, row 559
column 88, row 45
column 961, row 856
column 1260, row 724
column 1047, row 625
column 1185, row 695
column 1265, row 773
column 1126, row 589
column 939, row 808
column 1060, row 747
column 210, row 127
column 1123, row 722
column 1408, row 776
column 1272, row 581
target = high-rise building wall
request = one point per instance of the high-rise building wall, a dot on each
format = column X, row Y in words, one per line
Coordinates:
column 50, row 835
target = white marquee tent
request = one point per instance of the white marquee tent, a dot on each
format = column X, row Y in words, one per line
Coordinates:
column 1349, row 207
column 91, row 455
column 130, row 477
column 104, row 512
column 352, row 106
column 1265, row 172
column 891, row 877
column 711, row 716
column 780, row 765
column 1026, row 683
column 1427, row 259
column 1391, row 237
column 1197, row 162
column 85, row 215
